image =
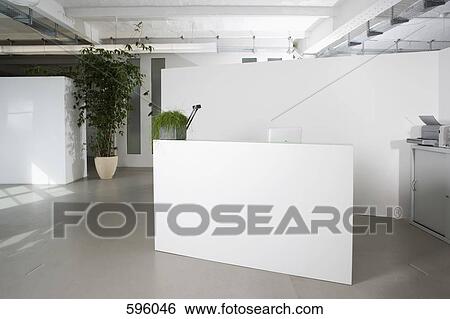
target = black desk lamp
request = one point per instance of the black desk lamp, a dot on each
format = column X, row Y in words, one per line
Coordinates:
column 195, row 109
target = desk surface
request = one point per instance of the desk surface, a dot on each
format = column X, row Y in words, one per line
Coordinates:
column 251, row 143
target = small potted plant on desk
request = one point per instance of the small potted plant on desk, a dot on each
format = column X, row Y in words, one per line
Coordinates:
column 172, row 125
column 169, row 126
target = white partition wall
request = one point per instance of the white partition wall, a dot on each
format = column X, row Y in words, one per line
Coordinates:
column 371, row 103
column 40, row 140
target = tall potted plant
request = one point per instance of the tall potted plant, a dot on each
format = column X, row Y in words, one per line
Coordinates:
column 104, row 82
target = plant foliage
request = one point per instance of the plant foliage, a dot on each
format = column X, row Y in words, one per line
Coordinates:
column 104, row 82
column 50, row 71
column 172, row 120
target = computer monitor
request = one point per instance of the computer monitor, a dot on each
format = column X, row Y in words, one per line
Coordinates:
column 292, row 135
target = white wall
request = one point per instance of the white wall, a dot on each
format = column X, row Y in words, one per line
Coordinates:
column 211, row 59
column 374, row 108
column 444, row 85
column 40, row 142
column 145, row 159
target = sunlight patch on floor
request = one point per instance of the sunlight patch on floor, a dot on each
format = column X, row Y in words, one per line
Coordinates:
column 58, row 192
column 15, row 239
column 16, row 190
column 7, row 203
column 28, row 198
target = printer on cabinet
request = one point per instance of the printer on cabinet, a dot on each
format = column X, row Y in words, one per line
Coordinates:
column 433, row 133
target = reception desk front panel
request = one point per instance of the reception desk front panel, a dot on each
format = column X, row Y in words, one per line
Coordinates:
column 277, row 207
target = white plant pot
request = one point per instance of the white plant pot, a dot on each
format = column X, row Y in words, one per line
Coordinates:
column 169, row 133
column 106, row 166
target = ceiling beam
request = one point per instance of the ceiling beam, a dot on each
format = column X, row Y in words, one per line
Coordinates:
column 53, row 11
column 349, row 15
column 155, row 12
column 157, row 48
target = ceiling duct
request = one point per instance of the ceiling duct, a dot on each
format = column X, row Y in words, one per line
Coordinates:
column 399, row 14
column 52, row 32
column 398, row 20
column 433, row 3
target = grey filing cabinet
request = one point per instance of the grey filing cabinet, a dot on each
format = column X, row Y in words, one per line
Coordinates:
column 431, row 190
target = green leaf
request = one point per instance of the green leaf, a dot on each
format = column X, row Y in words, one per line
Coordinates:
column 105, row 81
column 172, row 119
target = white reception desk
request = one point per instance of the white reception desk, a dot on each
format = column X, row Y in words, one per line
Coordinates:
column 265, row 180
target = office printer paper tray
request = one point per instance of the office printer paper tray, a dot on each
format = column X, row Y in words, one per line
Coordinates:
column 424, row 142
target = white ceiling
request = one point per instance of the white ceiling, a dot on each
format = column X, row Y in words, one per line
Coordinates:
column 169, row 18
column 237, row 20
column 201, row 27
column 10, row 29
column 96, row 3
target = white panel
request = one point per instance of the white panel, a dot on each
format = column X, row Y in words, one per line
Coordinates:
column 282, row 175
column 33, row 132
column 174, row 61
column 375, row 108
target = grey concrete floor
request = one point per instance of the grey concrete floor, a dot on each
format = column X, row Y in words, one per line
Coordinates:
column 407, row 264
